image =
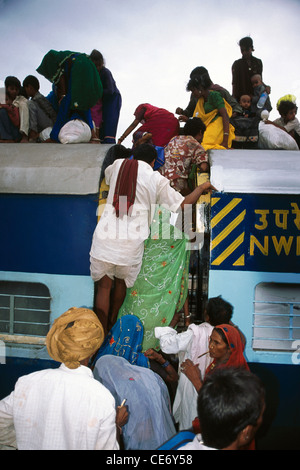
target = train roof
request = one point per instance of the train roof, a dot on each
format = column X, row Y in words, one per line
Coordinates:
column 32, row 168
column 75, row 169
column 255, row 171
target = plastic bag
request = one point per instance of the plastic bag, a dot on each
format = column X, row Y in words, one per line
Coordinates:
column 45, row 134
column 75, row 132
column 271, row 137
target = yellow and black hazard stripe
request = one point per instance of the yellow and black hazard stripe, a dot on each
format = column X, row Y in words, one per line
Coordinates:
column 227, row 231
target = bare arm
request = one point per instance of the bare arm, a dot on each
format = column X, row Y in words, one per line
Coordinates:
column 193, row 197
column 172, row 375
column 192, row 372
column 128, row 130
column 276, row 125
column 225, row 118
column 121, row 419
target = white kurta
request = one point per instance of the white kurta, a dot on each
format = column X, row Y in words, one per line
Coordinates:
column 60, row 409
column 22, row 103
column 293, row 125
column 196, row 444
column 188, row 345
column 121, row 241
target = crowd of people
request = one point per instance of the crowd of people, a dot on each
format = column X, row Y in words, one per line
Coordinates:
column 107, row 394
column 128, row 378
column 84, row 106
column 116, row 388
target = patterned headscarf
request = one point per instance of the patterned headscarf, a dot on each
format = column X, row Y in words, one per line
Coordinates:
column 74, row 336
column 125, row 340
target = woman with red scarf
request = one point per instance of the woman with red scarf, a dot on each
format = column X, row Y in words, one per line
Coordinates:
column 225, row 347
column 227, row 350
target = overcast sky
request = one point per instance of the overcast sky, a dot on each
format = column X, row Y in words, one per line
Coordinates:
column 151, row 46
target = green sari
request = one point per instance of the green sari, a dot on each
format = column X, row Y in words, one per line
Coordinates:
column 85, row 85
column 162, row 284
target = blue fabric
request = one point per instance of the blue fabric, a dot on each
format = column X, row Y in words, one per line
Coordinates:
column 64, row 111
column 177, row 441
column 110, row 114
column 64, row 115
column 160, row 160
column 111, row 106
column 150, row 421
column 125, row 340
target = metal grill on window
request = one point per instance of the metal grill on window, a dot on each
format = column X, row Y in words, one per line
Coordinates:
column 276, row 317
column 24, row 308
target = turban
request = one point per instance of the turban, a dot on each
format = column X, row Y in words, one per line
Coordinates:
column 74, row 336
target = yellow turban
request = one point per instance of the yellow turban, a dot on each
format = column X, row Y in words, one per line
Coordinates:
column 74, row 336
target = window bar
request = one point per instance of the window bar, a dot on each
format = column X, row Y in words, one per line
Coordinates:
column 11, row 314
column 291, row 328
column 13, row 309
column 291, row 317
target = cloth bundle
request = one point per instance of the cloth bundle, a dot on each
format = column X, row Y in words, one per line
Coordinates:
column 271, row 137
column 75, row 132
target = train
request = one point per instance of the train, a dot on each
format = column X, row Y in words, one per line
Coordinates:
column 49, row 202
column 251, row 257
column 248, row 252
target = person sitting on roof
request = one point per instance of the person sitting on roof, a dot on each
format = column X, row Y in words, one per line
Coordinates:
column 14, row 114
column 41, row 112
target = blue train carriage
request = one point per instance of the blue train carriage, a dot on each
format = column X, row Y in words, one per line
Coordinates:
column 48, row 204
column 254, row 237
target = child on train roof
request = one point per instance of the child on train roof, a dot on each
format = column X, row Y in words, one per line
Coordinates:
column 41, row 112
column 287, row 108
column 14, row 115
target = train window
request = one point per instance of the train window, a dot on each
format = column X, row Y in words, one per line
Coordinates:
column 24, row 308
column 276, row 318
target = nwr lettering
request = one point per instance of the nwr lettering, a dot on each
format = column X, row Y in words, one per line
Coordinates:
column 278, row 245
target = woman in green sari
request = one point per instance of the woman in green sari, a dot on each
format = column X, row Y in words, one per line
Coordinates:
column 162, row 284
column 161, row 288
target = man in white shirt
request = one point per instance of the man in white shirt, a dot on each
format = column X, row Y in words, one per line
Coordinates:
column 63, row 408
column 118, row 242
